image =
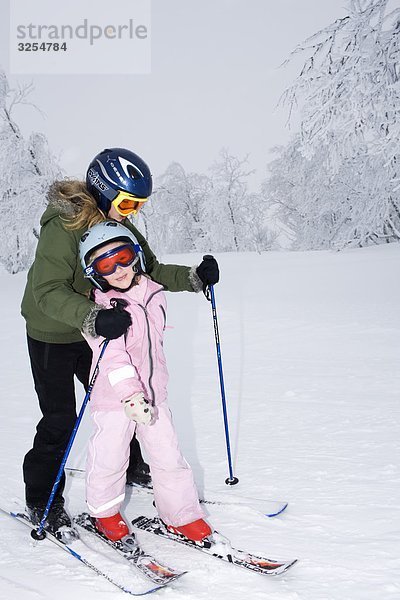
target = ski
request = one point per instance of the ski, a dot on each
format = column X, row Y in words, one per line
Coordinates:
column 129, row 549
column 268, row 508
column 218, row 546
column 78, row 550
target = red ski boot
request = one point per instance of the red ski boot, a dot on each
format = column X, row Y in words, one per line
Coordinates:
column 195, row 531
column 114, row 528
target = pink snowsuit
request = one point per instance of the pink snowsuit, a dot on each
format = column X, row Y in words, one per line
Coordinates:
column 130, row 364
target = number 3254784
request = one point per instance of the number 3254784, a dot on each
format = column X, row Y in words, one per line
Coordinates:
column 43, row 47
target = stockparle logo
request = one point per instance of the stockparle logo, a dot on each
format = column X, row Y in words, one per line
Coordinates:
column 80, row 37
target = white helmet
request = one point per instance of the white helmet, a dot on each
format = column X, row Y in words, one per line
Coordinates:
column 100, row 234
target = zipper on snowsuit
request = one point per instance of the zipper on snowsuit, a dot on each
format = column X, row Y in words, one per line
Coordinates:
column 144, row 308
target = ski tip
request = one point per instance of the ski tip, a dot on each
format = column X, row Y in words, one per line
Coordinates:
column 168, row 574
column 285, row 567
column 277, row 512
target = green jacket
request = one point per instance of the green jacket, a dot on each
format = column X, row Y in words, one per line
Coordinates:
column 56, row 299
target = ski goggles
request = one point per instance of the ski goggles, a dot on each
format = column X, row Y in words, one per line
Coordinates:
column 128, row 204
column 107, row 263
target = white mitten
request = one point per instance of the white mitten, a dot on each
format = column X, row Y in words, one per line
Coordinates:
column 138, row 409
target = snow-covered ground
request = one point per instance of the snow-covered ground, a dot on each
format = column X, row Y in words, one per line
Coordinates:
column 311, row 348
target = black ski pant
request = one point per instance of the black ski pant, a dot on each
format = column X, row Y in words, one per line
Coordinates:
column 53, row 368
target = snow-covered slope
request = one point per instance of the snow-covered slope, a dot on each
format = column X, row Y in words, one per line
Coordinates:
column 310, row 347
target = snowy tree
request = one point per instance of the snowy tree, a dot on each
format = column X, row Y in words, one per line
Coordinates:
column 227, row 209
column 301, row 191
column 237, row 217
column 343, row 167
column 27, row 168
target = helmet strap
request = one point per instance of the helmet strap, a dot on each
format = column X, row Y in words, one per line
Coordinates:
column 104, row 286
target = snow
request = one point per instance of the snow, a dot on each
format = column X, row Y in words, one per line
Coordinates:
column 310, row 347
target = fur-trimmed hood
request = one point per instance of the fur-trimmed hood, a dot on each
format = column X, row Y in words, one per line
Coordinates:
column 57, row 205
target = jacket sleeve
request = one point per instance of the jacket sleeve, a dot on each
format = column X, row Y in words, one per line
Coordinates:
column 116, row 367
column 174, row 278
column 54, row 273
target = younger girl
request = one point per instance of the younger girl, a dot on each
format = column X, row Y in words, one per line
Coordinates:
column 130, row 393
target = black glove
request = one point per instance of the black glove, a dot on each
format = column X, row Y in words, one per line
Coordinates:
column 208, row 271
column 112, row 323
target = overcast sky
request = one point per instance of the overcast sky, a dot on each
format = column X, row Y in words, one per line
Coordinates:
column 215, row 81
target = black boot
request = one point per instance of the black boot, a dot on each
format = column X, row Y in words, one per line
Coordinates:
column 138, row 472
column 57, row 523
column 139, row 475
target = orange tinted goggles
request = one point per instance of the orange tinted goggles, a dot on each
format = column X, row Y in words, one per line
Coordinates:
column 107, row 263
column 127, row 204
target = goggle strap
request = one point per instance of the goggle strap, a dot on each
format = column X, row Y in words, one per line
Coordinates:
column 89, row 271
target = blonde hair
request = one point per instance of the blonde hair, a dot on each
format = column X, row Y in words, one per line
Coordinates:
column 79, row 208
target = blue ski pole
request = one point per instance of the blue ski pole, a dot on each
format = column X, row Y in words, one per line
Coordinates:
column 39, row 533
column 209, row 294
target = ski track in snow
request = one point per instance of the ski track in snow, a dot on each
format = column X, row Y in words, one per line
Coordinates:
column 310, row 348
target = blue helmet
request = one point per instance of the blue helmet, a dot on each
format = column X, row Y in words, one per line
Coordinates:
column 117, row 170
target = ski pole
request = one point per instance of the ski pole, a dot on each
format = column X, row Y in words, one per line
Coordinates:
column 39, row 533
column 209, row 294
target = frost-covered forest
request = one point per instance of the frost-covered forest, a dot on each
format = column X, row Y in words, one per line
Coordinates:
column 335, row 184
column 27, row 168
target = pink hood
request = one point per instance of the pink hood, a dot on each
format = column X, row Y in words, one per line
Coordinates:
column 134, row 362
